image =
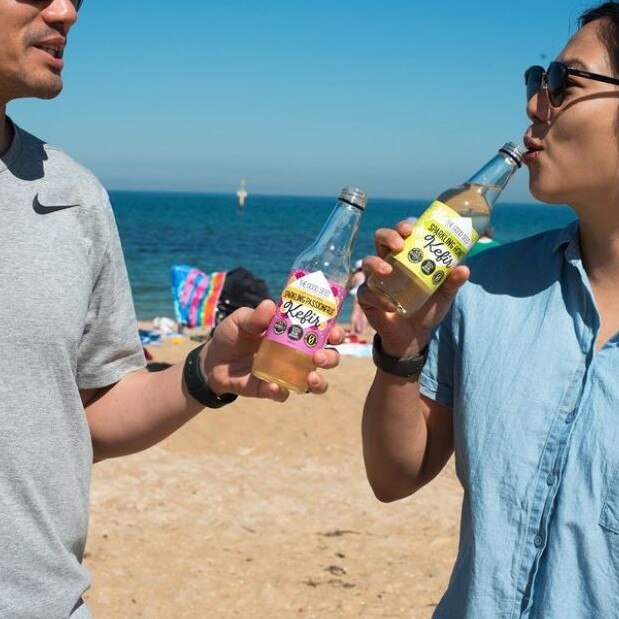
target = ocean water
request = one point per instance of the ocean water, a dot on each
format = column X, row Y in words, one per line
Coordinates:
column 207, row 231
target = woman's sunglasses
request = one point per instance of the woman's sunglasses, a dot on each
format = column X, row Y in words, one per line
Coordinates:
column 554, row 80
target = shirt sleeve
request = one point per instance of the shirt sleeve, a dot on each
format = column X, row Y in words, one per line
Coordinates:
column 110, row 346
column 437, row 378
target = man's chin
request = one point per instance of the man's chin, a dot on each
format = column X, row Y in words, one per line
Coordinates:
column 50, row 90
column 47, row 88
column 49, row 94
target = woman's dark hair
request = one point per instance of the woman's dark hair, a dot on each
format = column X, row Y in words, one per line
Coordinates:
column 608, row 13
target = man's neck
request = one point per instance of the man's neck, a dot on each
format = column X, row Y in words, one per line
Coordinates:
column 6, row 132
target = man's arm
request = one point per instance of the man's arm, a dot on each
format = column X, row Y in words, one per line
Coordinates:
column 145, row 407
column 407, row 438
column 138, row 411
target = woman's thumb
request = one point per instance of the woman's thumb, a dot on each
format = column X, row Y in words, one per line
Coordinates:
column 457, row 278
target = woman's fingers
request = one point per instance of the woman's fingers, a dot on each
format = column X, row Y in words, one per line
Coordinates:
column 387, row 240
column 457, row 278
column 369, row 300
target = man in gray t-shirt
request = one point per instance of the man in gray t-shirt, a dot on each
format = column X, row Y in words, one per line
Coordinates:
column 73, row 387
column 69, row 325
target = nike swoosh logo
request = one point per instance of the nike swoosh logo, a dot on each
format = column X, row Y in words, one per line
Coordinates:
column 42, row 209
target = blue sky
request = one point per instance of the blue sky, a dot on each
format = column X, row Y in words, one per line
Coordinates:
column 401, row 98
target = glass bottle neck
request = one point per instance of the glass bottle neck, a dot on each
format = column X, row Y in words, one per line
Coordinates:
column 494, row 176
column 341, row 228
column 331, row 251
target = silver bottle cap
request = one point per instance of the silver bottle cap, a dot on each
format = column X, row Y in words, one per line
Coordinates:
column 515, row 151
column 354, row 196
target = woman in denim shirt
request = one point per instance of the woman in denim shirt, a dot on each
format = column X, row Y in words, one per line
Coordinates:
column 521, row 379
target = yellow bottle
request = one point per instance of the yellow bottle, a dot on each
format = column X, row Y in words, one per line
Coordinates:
column 445, row 232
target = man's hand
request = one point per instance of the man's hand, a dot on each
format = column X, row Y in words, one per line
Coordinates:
column 228, row 357
column 404, row 337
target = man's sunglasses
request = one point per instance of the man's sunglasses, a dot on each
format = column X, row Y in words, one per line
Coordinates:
column 554, row 80
column 77, row 4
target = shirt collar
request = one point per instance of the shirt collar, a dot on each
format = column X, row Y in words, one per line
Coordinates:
column 11, row 155
column 568, row 236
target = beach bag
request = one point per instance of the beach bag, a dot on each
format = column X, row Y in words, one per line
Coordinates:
column 204, row 299
column 241, row 289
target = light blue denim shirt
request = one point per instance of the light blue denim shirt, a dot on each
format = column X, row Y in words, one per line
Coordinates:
column 536, row 425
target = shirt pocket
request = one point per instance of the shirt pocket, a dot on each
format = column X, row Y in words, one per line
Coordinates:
column 609, row 518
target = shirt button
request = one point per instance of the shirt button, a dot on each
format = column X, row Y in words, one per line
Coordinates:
column 538, row 541
column 570, row 417
column 550, row 479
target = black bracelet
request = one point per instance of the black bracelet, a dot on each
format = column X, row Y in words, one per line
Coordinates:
column 407, row 367
column 198, row 386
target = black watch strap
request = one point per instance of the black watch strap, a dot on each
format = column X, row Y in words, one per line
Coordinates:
column 407, row 367
column 197, row 384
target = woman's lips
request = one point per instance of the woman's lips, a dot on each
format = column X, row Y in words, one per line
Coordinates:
column 534, row 149
column 532, row 155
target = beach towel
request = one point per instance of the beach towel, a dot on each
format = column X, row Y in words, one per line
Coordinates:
column 196, row 295
column 354, row 350
column 149, row 337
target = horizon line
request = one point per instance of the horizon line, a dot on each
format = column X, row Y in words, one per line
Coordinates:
column 232, row 194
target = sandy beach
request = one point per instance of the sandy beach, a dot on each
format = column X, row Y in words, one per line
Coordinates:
column 263, row 510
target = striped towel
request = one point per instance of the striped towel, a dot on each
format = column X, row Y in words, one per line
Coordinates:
column 196, row 295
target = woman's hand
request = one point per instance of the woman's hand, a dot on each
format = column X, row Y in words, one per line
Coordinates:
column 404, row 337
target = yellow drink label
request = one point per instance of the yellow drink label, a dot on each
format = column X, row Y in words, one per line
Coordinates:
column 441, row 238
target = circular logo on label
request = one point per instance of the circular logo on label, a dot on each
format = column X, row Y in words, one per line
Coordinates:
column 415, row 255
column 280, row 326
column 428, row 267
column 311, row 339
column 295, row 333
column 437, row 278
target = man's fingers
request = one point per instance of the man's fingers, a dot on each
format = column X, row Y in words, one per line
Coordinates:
column 272, row 391
column 327, row 358
column 336, row 336
column 316, row 383
column 254, row 322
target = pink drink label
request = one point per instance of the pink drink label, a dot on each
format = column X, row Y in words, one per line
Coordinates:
column 306, row 312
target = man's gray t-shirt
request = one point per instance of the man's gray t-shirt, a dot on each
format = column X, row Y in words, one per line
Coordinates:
column 67, row 322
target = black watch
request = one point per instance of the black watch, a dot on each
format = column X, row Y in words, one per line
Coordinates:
column 407, row 367
column 197, row 384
